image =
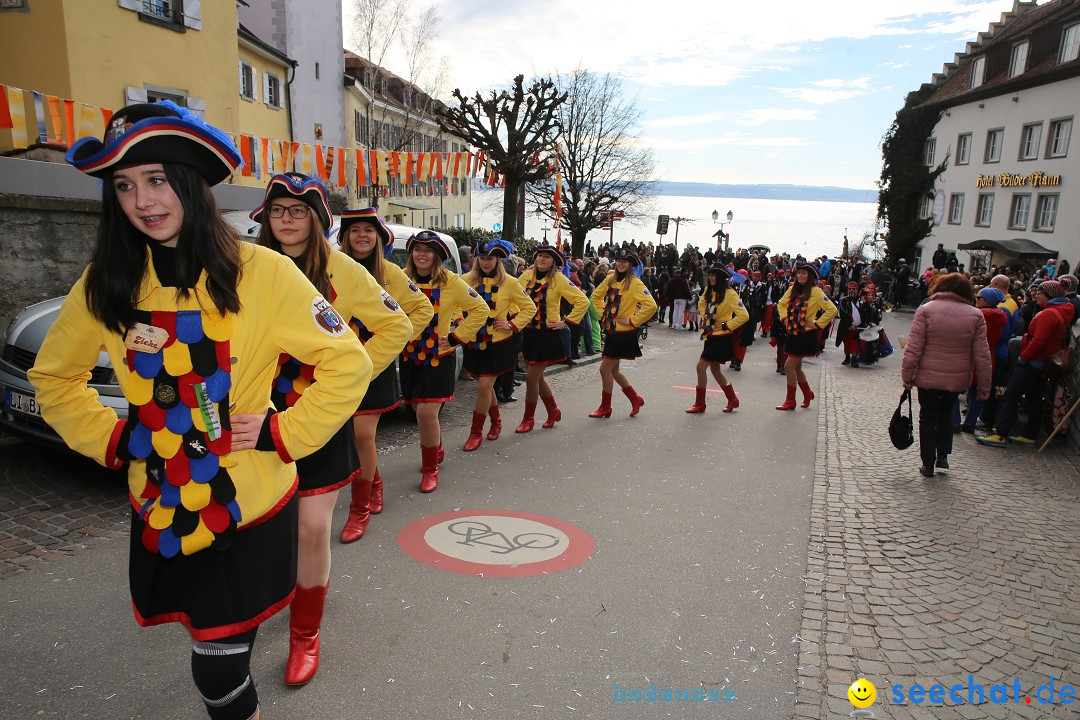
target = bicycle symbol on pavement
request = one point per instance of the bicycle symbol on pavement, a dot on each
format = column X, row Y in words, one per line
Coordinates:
column 478, row 533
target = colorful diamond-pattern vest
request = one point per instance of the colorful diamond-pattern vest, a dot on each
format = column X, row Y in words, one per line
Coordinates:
column 611, row 309
column 795, row 322
column 538, row 292
column 179, row 414
column 424, row 350
column 293, row 377
column 487, row 290
column 708, row 322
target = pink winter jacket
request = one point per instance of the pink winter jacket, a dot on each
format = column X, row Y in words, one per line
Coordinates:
column 948, row 337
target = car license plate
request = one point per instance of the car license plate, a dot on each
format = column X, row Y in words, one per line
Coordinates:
column 24, row 403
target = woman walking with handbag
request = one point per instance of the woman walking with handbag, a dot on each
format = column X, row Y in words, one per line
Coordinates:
column 947, row 339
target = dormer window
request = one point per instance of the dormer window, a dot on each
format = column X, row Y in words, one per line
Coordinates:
column 367, row 78
column 978, row 67
column 1018, row 59
column 382, row 86
column 406, row 95
column 1070, row 43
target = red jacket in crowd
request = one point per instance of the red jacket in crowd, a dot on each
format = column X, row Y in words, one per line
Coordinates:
column 1046, row 333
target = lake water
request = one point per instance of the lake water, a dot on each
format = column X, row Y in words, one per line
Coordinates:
column 810, row 227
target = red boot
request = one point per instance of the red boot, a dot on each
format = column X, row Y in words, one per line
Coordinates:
column 807, row 394
column 699, row 401
column 496, row 423
column 554, row 414
column 429, row 479
column 789, row 403
column 636, row 401
column 527, row 421
column 732, row 399
column 305, row 616
column 476, row 432
column 604, row 411
column 375, row 504
column 359, row 510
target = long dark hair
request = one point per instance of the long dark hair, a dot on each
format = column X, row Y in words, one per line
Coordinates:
column 206, row 242
column 715, row 293
column 314, row 262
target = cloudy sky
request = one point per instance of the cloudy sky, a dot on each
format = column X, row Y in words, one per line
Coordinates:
column 785, row 91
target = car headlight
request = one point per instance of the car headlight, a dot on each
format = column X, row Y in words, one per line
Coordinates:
column 8, row 327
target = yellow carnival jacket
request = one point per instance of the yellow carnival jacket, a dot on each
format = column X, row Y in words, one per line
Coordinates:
column 819, row 309
column 612, row 303
column 724, row 317
column 548, row 293
column 184, row 480
column 404, row 291
column 447, row 301
column 507, row 301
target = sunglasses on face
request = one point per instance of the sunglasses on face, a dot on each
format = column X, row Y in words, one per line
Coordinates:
column 297, row 212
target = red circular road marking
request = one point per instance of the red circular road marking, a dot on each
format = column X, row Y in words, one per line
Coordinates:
column 413, row 539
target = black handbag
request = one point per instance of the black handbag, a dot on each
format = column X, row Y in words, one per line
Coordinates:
column 901, row 431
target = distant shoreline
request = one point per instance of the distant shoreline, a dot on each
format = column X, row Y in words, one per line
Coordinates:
column 767, row 192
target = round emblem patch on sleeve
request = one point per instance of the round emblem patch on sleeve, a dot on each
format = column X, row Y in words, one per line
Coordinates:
column 412, row 286
column 389, row 302
column 326, row 317
column 472, row 293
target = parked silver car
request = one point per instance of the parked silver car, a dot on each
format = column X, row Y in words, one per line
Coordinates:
column 23, row 335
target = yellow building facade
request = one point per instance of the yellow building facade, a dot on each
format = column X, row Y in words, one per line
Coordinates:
column 112, row 53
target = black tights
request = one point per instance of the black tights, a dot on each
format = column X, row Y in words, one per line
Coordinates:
column 221, row 670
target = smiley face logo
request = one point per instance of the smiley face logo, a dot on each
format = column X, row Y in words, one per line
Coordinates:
column 862, row 693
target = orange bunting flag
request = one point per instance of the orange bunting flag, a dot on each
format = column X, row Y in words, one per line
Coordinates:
column 56, row 118
column 69, row 122
column 361, row 171
column 245, row 153
column 423, row 161
column 319, row 164
column 264, row 154
column 394, row 159
column 88, row 122
column 342, row 180
column 106, row 116
column 407, row 175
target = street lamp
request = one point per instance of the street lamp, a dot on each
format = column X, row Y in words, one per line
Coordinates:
column 720, row 233
column 544, row 225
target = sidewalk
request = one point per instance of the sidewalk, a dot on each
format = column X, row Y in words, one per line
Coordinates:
column 930, row 580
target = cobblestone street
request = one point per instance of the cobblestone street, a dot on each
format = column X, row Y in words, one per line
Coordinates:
column 927, row 580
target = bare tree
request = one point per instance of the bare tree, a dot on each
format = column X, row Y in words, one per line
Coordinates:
column 516, row 127
column 376, row 27
column 605, row 167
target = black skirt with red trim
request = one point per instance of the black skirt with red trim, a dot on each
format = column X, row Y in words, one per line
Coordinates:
column 719, row 348
column 329, row 467
column 383, row 394
column 622, row 346
column 224, row 590
column 542, row 347
column 803, row 345
column 494, row 360
column 429, row 383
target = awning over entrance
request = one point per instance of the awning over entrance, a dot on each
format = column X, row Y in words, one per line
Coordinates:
column 1017, row 248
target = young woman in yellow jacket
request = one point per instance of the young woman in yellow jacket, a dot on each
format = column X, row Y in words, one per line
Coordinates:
column 194, row 320
column 804, row 310
column 624, row 305
column 541, row 342
column 722, row 314
column 367, row 240
column 293, row 214
column 428, row 366
column 492, row 353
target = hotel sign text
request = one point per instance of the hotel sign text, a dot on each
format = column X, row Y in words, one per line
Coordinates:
column 1035, row 179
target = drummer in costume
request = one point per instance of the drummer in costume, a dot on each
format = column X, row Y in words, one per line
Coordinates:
column 493, row 353
column 805, row 311
column 295, row 216
column 368, row 241
column 624, row 305
column 194, row 319
column 428, row 366
column 541, row 344
column 723, row 316
column 855, row 314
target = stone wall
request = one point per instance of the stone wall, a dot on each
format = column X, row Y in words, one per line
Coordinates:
column 44, row 245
